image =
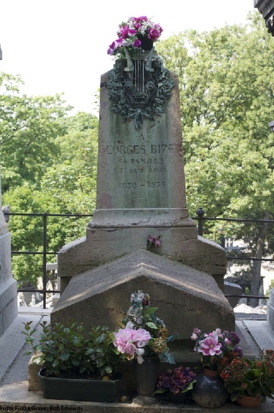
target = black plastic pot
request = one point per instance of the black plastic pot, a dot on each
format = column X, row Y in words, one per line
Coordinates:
column 146, row 43
column 79, row 389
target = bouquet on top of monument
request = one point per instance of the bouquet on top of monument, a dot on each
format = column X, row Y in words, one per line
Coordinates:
column 130, row 34
column 144, row 333
column 217, row 348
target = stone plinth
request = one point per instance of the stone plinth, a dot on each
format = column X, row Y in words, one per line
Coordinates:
column 270, row 309
column 8, row 286
column 140, row 192
column 183, row 295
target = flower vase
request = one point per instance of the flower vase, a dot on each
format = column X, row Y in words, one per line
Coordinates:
column 146, row 43
column 146, row 375
column 209, row 390
column 248, row 401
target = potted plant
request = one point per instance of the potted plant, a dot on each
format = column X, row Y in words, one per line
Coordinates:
column 216, row 349
column 144, row 339
column 76, row 365
column 136, row 33
column 249, row 382
column 177, row 384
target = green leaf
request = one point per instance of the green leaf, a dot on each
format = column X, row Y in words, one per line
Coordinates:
column 173, row 338
column 100, row 362
column 151, row 325
column 166, row 357
column 108, row 369
column 75, row 362
column 27, row 353
column 150, row 310
column 64, row 356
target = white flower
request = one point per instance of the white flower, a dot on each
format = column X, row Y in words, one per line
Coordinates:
column 130, row 325
column 140, row 359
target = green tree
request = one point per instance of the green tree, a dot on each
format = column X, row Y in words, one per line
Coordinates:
column 227, row 101
column 72, row 178
column 67, row 187
column 29, row 127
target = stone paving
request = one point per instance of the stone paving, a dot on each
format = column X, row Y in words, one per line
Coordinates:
column 14, row 394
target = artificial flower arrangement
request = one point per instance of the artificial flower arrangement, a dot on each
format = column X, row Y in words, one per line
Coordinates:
column 129, row 34
column 178, row 381
column 144, row 334
column 217, row 348
column 254, row 378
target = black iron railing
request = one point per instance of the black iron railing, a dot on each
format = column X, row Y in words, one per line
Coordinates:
column 45, row 253
column 201, row 218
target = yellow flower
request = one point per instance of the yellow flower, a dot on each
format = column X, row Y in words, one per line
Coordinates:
column 159, row 345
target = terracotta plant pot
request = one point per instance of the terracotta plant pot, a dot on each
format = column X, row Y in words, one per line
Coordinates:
column 248, row 401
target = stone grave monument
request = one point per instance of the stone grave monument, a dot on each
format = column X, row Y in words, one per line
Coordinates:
column 141, row 193
column 8, row 285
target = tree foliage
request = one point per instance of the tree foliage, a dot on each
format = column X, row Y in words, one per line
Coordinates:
column 227, row 101
column 48, row 166
column 29, row 127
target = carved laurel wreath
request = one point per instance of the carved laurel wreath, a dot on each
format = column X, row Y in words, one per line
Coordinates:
column 158, row 87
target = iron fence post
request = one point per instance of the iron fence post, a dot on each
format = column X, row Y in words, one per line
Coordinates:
column 200, row 212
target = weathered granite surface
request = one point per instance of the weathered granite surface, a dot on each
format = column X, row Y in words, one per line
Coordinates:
column 140, row 192
column 183, row 295
column 270, row 309
column 8, row 286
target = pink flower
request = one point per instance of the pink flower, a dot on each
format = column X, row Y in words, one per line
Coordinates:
column 154, row 34
column 131, row 32
column 141, row 337
column 136, row 43
column 144, row 18
column 124, row 32
column 210, row 346
column 112, row 47
column 158, row 27
column 194, row 337
column 131, row 342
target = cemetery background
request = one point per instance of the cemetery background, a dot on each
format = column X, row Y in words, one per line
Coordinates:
column 226, row 121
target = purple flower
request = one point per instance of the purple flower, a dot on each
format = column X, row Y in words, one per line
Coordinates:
column 137, row 43
column 144, row 18
column 158, row 27
column 234, row 338
column 112, row 47
column 132, row 32
column 239, row 351
column 154, row 34
column 124, row 32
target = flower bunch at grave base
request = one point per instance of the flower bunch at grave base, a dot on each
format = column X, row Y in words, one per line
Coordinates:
column 179, row 381
column 255, row 378
column 129, row 32
column 217, row 348
column 141, row 317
